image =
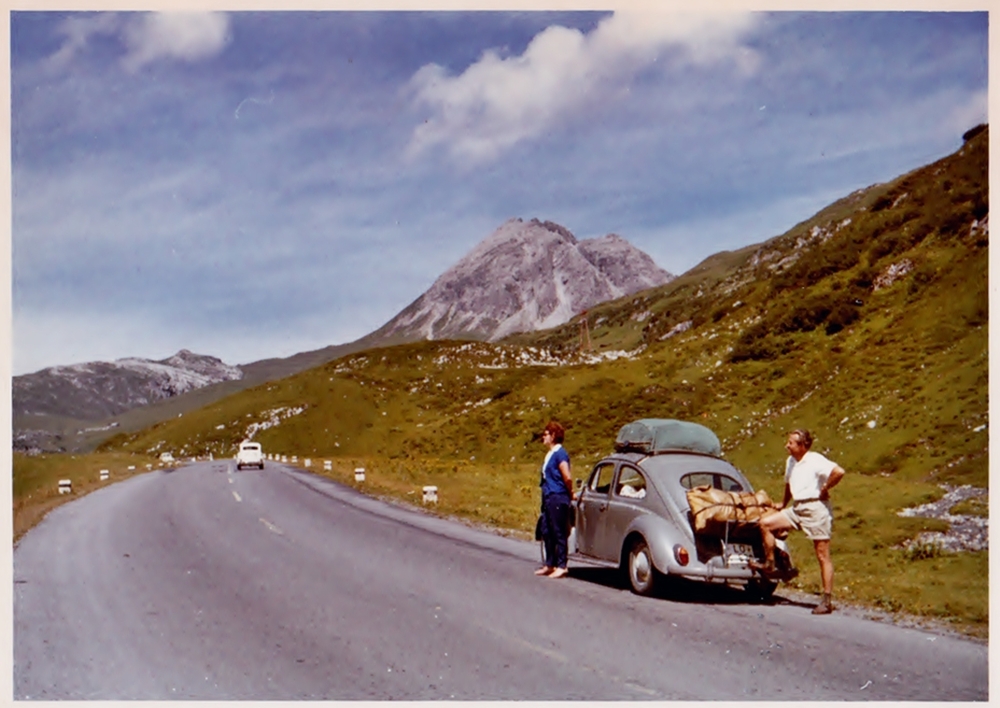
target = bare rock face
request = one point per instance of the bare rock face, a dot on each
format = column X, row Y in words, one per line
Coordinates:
column 99, row 389
column 525, row 276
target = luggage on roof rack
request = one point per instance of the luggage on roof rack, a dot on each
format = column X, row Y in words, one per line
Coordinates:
column 653, row 435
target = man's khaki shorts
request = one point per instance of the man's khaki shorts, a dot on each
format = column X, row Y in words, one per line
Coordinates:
column 815, row 518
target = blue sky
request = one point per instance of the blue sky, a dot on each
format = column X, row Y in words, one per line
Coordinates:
column 251, row 185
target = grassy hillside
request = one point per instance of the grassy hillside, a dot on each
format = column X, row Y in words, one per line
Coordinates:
column 867, row 323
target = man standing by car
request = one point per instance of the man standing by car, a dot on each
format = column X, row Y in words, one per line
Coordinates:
column 809, row 477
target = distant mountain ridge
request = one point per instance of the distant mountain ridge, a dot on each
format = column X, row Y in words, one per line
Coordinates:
column 98, row 389
column 524, row 277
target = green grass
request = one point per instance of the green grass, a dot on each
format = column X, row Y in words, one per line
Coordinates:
column 977, row 506
column 36, row 481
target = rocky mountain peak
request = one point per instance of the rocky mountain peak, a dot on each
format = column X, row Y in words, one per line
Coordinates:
column 526, row 275
column 98, row 389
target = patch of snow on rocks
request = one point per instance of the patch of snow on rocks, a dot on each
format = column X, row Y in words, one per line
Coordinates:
column 893, row 273
column 967, row 533
column 274, row 417
column 677, row 329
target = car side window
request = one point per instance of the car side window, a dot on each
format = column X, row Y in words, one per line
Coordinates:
column 600, row 479
column 631, row 483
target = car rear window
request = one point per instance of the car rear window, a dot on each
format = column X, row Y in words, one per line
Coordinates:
column 711, row 479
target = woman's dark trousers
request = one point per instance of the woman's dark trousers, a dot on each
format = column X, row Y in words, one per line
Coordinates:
column 555, row 529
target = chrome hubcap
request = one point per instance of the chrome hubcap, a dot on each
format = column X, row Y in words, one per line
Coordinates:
column 641, row 569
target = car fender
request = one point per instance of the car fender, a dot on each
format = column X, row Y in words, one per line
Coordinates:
column 661, row 535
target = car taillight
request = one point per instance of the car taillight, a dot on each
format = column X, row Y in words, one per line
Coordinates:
column 681, row 554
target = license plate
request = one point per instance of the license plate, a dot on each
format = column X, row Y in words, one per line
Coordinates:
column 738, row 554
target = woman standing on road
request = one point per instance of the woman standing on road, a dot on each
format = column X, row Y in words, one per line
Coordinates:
column 557, row 495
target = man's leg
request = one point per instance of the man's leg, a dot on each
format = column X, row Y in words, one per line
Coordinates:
column 774, row 522
column 826, row 573
column 825, row 564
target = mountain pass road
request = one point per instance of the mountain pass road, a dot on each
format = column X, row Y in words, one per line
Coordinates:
column 209, row 583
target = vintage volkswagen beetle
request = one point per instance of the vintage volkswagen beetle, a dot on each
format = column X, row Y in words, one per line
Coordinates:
column 633, row 511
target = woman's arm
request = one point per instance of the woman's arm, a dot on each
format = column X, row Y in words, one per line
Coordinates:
column 567, row 479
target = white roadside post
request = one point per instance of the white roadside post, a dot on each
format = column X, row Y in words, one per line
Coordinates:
column 104, row 475
column 359, row 474
column 430, row 494
column 295, row 459
column 308, row 462
column 327, row 465
column 65, row 486
column 131, row 467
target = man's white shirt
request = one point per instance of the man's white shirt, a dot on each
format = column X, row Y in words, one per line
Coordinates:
column 807, row 476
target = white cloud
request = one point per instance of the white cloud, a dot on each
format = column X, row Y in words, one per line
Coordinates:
column 78, row 30
column 188, row 36
column 500, row 101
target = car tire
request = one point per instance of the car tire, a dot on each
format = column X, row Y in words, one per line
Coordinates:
column 239, row 466
column 642, row 574
column 761, row 590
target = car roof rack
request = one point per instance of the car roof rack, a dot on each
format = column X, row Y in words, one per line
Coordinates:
column 652, row 436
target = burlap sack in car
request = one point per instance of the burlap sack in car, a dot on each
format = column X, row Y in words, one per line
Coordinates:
column 711, row 508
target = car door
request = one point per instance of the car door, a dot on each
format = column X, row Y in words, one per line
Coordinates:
column 592, row 507
column 627, row 500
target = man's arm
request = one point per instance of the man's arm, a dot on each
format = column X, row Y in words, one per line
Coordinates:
column 788, row 496
column 832, row 481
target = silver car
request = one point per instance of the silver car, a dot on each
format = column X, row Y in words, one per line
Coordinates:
column 633, row 513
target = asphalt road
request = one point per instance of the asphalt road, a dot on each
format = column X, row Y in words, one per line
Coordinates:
column 208, row 583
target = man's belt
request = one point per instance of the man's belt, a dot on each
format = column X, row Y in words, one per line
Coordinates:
column 805, row 501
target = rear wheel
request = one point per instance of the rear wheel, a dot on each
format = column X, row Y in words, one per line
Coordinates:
column 642, row 575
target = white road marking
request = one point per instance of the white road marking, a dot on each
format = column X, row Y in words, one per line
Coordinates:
column 236, row 496
column 271, row 526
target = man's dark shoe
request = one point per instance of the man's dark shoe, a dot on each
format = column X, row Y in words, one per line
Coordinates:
column 789, row 574
column 768, row 570
column 823, row 608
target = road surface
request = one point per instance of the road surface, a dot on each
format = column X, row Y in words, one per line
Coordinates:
column 208, row 583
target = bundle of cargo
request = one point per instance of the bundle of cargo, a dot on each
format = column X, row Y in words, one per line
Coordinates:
column 716, row 512
column 654, row 435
